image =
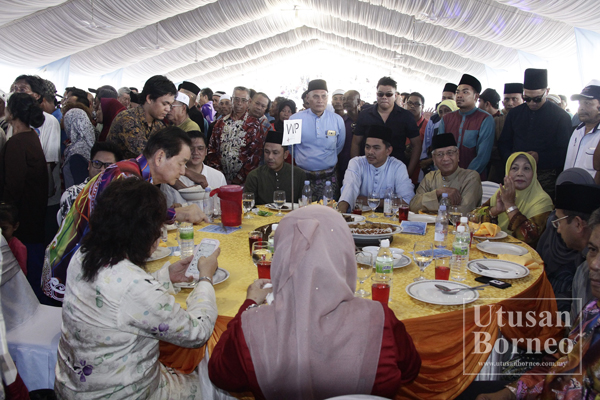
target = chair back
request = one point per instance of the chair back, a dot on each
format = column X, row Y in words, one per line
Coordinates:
column 488, row 190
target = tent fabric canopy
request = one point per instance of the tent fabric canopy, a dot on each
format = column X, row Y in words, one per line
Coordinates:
column 206, row 40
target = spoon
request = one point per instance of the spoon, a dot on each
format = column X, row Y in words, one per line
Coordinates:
column 447, row 290
column 483, row 267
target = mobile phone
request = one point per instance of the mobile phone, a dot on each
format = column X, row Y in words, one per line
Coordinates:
column 493, row 282
column 203, row 249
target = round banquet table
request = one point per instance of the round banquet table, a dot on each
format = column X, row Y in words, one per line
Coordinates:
column 440, row 333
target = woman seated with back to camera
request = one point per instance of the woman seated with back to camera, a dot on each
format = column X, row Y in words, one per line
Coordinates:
column 115, row 313
column 520, row 207
column 316, row 340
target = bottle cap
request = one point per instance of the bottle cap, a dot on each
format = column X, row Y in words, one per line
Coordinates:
column 443, row 207
column 307, row 182
column 327, row 183
column 385, row 243
column 444, row 194
column 461, row 228
column 464, row 220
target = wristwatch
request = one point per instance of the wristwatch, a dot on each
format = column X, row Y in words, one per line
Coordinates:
column 206, row 278
column 251, row 306
column 511, row 209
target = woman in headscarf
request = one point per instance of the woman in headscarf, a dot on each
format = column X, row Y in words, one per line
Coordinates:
column 82, row 134
column 285, row 109
column 316, row 340
column 109, row 108
column 520, row 207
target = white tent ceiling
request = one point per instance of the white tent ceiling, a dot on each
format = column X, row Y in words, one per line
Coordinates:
column 211, row 41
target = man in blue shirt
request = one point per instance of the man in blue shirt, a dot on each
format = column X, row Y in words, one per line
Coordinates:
column 376, row 170
column 323, row 137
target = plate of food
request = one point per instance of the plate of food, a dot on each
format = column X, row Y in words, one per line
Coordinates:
column 499, row 235
column 159, row 253
column 427, row 218
column 353, row 218
column 286, row 207
column 489, row 231
column 373, row 230
column 220, row 276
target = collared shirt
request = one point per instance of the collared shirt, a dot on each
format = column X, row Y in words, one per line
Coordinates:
column 208, row 111
column 323, row 139
column 582, row 145
column 545, row 131
column 466, row 181
column 236, row 146
column 431, row 129
column 215, row 179
column 189, row 125
column 344, row 156
column 130, row 131
column 401, row 122
column 68, row 198
column 362, row 178
column 474, row 134
column 75, row 225
column 263, row 181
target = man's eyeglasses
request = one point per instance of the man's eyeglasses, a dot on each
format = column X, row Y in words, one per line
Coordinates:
column 99, row 164
column 240, row 100
column 410, row 103
column 381, row 94
column 537, row 99
column 555, row 223
column 449, row 153
column 22, row 88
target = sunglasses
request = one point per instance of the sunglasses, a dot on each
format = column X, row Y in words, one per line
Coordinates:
column 537, row 99
column 99, row 164
column 381, row 94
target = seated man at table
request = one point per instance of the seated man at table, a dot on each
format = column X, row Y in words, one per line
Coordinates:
column 276, row 174
column 196, row 172
column 572, row 376
column 375, row 171
column 163, row 161
column 462, row 185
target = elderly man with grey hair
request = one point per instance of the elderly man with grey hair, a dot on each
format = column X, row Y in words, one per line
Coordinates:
column 124, row 96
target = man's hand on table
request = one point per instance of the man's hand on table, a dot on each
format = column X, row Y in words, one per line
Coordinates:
column 191, row 213
column 503, row 394
column 256, row 291
column 453, row 195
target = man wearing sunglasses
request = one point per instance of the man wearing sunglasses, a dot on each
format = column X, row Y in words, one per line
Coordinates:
column 390, row 114
column 538, row 127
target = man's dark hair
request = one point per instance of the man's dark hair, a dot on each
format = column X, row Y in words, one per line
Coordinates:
column 266, row 97
column 108, row 147
column 197, row 135
column 106, row 92
column 252, row 93
column 207, row 92
column 9, row 213
column 241, row 89
column 387, row 81
column 157, row 86
column 169, row 139
column 81, row 96
column 594, row 219
column 134, row 88
column 419, row 95
column 405, row 96
column 304, row 95
column 24, row 107
column 126, row 222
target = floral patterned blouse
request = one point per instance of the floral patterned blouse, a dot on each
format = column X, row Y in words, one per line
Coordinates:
column 111, row 330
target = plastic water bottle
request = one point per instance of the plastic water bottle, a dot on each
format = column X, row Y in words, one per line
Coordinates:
column 385, row 260
column 387, row 203
column 445, row 201
column 271, row 239
column 306, row 198
column 327, row 194
column 186, row 239
column 460, row 254
column 441, row 228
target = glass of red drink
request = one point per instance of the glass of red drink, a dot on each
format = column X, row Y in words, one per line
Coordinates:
column 380, row 288
column 403, row 212
column 253, row 237
column 261, row 257
column 358, row 207
column 442, row 268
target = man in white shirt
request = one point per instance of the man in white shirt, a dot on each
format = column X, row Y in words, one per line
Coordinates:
column 586, row 136
column 196, row 172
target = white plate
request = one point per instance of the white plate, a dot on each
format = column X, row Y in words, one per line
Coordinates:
column 430, row 219
column 396, row 229
column 356, row 218
column 160, row 252
column 515, row 271
column 501, row 248
column 171, row 227
column 272, row 206
column 426, row 292
column 499, row 235
column 220, row 276
column 400, row 260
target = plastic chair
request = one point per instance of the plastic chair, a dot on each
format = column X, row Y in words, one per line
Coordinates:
column 32, row 329
column 489, row 188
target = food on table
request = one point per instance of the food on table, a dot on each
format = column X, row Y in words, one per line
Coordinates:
column 371, row 228
column 488, row 230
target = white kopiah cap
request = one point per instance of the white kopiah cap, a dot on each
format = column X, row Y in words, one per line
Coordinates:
column 182, row 97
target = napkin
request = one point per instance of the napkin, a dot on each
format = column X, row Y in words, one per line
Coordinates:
column 487, row 229
column 525, row 260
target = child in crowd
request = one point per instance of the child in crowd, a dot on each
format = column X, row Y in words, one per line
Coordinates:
column 9, row 224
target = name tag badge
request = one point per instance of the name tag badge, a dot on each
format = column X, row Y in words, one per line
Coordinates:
column 330, row 133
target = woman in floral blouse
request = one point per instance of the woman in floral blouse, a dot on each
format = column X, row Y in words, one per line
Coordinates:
column 115, row 313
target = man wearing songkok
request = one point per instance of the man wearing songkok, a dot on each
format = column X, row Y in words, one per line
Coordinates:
column 192, row 90
column 376, row 170
column 275, row 174
column 337, row 102
column 179, row 114
column 323, row 138
column 584, row 140
column 236, row 141
column 538, row 127
column 472, row 127
column 462, row 185
column 131, row 129
column 390, row 114
column 163, row 161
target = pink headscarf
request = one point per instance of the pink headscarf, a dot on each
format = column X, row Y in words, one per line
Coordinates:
column 110, row 109
column 316, row 340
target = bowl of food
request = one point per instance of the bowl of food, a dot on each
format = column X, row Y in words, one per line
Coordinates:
column 370, row 233
column 194, row 193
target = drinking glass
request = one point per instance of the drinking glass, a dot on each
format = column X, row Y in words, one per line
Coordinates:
column 254, row 236
column 396, row 202
column 442, row 268
column 381, row 285
column 358, row 207
column 373, row 202
column 248, row 203
column 261, row 257
column 423, row 255
column 364, row 262
column 279, row 200
column 474, row 223
column 454, row 215
column 403, row 212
